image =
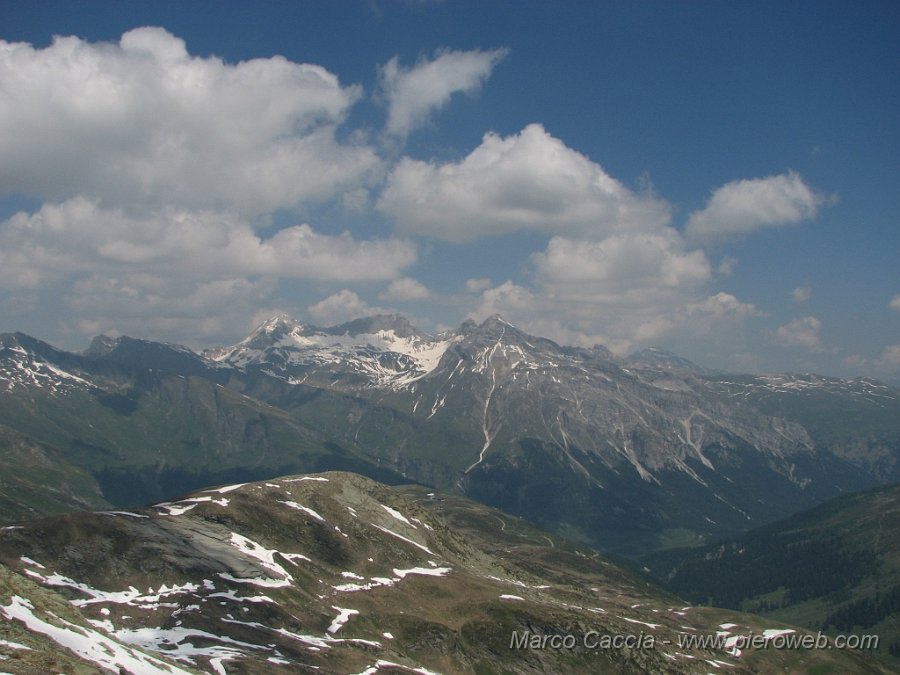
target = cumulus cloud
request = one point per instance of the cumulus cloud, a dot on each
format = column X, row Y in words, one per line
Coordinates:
column 886, row 363
column 802, row 294
column 587, row 322
column 78, row 236
column 622, row 292
column 570, row 323
column 803, row 332
column 745, row 206
column 404, row 290
column 528, row 181
column 727, row 265
column 157, row 307
column 890, row 358
column 614, row 272
column 895, row 303
column 476, row 285
column 174, row 275
column 722, row 305
column 142, row 123
column 345, row 305
column 625, row 268
column 414, row 93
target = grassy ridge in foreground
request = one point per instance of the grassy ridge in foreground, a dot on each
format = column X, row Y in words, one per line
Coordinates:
column 338, row 572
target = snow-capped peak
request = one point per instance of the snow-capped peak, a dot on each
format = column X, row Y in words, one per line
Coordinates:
column 279, row 322
column 385, row 350
column 26, row 362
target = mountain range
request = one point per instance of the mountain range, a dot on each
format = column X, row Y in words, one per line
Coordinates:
column 627, row 455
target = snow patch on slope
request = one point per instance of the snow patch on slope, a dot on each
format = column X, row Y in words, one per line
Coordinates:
column 86, row 643
column 23, row 370
column 385, row 357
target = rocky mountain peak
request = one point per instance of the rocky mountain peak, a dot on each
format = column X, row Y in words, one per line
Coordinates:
column 278, row 324
column 275, row 323
column 376, row 323
column 10, row 341
column 497, row 330
column 466, row 327
column 659, row 358
column 20, row 345
column 493, row 328
column 101, row 345
column 494, row 323
column 272, row 331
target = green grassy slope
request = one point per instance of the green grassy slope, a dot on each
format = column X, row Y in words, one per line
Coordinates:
column 36, row 480
column 835, row 567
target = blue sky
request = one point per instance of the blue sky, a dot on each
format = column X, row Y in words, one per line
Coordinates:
column 719, row 178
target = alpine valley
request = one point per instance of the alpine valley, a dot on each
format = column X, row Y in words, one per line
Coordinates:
column 834, row 568
column 628, row 456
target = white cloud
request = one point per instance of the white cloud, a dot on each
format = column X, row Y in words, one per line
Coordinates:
column 79, row 237
column 614, row 273
column 722, row 305
column 345, row 305
column 624, row 268
column 404, row 290
column 414, row 93
column 744, row 206
column 143, row 124
column 895, row 303
column 528, row 181
column 886, row 363
column 478, row 285
column 539, row 314
column 890, row 358
column 156, row 307
column 802, row 294
column 622, row 292
column 803, row 332
column 172, row 275
column 134, row 295
column 155, row 167
column 727, row 265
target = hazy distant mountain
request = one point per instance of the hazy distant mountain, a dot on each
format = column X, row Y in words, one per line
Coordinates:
column 628, row 455
column 663, row 360
column 146, row 421
column 338, row 574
